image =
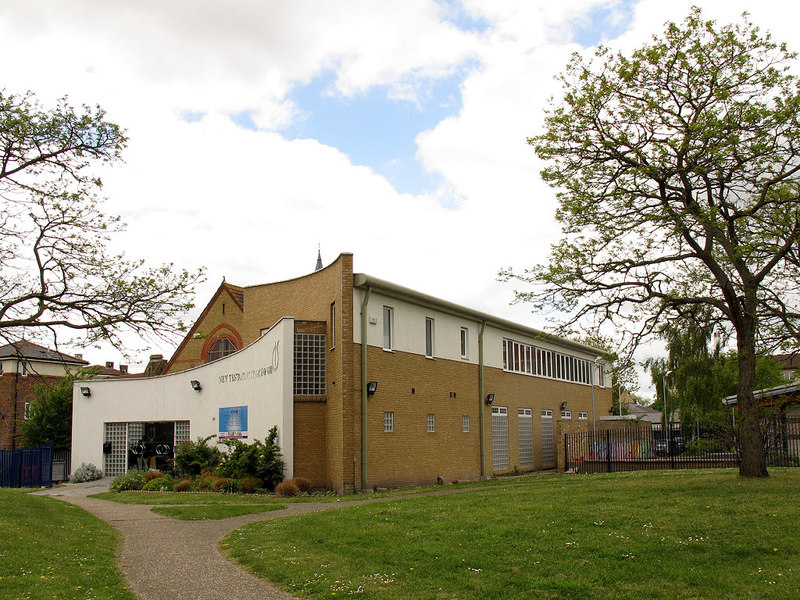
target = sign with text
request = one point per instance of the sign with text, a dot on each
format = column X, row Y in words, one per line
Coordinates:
column 233, row 422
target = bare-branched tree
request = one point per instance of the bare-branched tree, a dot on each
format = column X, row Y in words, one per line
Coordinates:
column 56, row 273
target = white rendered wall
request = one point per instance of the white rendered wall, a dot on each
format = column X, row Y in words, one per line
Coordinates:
column 258, row 376
column 409, row 332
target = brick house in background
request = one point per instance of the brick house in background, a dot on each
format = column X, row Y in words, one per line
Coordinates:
column 382, row 386
column 23, row 365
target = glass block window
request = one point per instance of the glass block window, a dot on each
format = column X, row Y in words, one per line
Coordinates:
column 548, row 448
column 116, row 463
column 309, row 364
column 500, row 437
column 465, row 423
column 525, row 437
column 182, row 432
column 388, row 421
column 431, row 423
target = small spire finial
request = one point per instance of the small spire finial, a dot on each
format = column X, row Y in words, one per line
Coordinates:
column 319, row 258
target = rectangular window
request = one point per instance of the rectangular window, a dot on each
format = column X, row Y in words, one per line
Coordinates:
column 601, row 375
column 583, row 415
column 525, row 419
column 333, row 325
column 566, row 414
column 500, row 459
column 24, row 369
column 548, row 446
column 465, row 423
column 388, row 421
column 388, row 318
column 464, row 342
column 431, row 423
column 27, row 414
column 309, row 364
column 429, row 337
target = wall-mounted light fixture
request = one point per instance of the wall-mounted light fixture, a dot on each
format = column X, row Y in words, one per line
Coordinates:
column 195, row 385
column 564, row 405
column 489, row 398
column 86, row 392
column 372, row 387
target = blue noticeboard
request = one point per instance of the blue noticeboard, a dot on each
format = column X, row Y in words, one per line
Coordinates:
column 233, row 422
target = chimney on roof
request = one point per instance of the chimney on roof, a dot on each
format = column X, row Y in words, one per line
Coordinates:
column 319, row 260
column 79, row 356
column 123, row 369
column 109, row 364
column 156, row 365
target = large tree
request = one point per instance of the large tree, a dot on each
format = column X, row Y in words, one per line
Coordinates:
column 677, row 168
column 56, row 272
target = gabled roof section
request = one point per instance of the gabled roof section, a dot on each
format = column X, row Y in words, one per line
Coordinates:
column 35, row 352
column 235, row 292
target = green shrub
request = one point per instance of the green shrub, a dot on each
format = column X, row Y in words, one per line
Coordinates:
column 153, row 474
column 192, row 458
column 259, row 459
column 250, row 484
column 159, row 484
column 182, row 486
column 203, row 482
column 132, row 480
column 86, row 472
column 303, row 484
column 228, row 486
column 286, row 489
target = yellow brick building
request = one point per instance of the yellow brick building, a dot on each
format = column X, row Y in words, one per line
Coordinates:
column 460, row 394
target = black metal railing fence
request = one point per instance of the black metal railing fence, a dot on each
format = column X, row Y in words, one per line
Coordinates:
column 643, row 448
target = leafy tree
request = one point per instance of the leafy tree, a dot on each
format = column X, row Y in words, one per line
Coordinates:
column 55, row 269
column 50, row 416
column 677, row 170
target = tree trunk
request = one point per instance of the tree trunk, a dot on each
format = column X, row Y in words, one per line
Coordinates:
column 752, row 462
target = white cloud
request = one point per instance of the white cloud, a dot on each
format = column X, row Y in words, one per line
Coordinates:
column 252, row 205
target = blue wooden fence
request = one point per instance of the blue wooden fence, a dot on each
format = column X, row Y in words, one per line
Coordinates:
column 27, row 467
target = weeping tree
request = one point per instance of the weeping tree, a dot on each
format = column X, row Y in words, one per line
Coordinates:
column 677, row 168
column 56, row 271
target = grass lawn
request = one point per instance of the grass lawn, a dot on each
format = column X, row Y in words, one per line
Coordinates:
column 52, row 549
column 675, row 534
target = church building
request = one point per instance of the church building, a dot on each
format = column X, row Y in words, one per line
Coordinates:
column 370, row 384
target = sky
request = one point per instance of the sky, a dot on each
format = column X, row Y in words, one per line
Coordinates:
column 263, row 130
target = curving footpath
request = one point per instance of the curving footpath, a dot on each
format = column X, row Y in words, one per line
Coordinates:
column 167, row 559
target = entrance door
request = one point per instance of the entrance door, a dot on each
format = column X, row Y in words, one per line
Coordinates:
column 152, row 445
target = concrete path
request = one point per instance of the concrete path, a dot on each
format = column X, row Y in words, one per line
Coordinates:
column 168, row 559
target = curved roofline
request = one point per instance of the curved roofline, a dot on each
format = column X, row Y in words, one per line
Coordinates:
column 363, row 281
column 312, row 274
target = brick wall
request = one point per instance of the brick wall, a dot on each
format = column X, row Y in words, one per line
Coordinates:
column 412, row 386
column 15, row 391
